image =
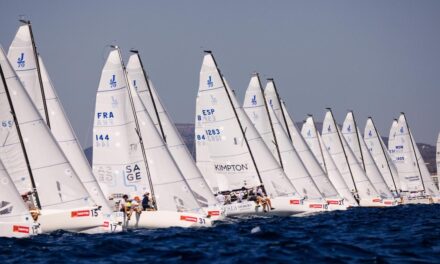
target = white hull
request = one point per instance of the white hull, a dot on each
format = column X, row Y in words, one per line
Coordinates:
column 165, row 219
column 377, row 202
column 70, row 220
column 419, row 200
column 17, row 230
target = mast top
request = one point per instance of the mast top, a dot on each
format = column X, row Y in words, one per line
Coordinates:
column 135, row 51
column 24, row 21
column 208, row 51
column 269, row 79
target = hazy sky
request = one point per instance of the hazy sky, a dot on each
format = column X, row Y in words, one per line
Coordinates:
column 376, row 57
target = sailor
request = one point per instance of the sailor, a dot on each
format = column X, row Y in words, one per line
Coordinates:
column 126, row 206
column 220, row 198
column 136, row 205
column 264, row 200
column 30, row 206
column 147, row 202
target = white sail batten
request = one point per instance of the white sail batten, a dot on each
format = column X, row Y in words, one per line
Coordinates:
column 346, row 161
column 381, row 157
column 277, row 140
column 56, row 181
column 318, row 175
column 164, row 125
column 313, row 139
column 225, row 123
column 355, row 141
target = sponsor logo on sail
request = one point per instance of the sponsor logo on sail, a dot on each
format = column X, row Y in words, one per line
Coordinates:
column 329, row 129
column 135, row 85
column 309, row 133
column 21, row 61
column 210, row 82
column 349, row 128
column 370, row 133
column 401, row 130
column 20, row 229
column 231, row 167
column 113, row 81
column 254, row 100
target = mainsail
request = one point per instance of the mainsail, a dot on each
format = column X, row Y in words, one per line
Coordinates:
column 319, row 177
column 355, row 141
column 129, row 154
column 313, row 139
column 165, row 126
column 49, row 173
column 277, row 140
column 37, row 82
column 236, row 149
column 381, row 156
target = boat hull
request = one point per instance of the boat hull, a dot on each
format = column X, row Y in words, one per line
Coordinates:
column 17, row 230
column 378, row 202
column 75, row 220
column 166, row 219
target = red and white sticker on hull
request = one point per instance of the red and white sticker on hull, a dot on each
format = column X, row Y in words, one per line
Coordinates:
column 80, row 213
column 188, row 218
column 20, row 229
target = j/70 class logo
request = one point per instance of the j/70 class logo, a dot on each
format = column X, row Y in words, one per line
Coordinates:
column 21, row 61
column 113, row 81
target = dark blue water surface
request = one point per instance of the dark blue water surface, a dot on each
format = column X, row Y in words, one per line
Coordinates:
column 367, row 235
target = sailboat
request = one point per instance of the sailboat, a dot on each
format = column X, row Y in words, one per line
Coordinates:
column 279, row 143
column 348, row 166
column 240, row 159
column 381, row 157
column 356, row 143
column 44, row 171
column 319, row 177
column 314, row 140
column 417, row 184
column 35, row 79
column 15, row 219
column 138, row 78
column 130, row 157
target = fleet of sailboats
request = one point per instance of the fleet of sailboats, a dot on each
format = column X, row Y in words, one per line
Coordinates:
column 250, row 159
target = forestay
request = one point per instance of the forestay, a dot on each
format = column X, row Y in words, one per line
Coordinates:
column 355, row 141
column 381, row 157
column 243, row 161
column 313, row 139
column 56, row 181
column 318, row 175
column 345, row 160
column 277, row 140
column 166, row 128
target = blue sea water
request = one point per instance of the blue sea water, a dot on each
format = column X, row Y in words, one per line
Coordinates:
column 404, row 234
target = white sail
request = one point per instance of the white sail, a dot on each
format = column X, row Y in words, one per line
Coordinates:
column 355, row 141
column 56, row 181
column 118, row 158
column 404, row 157
column 225, row 124
column 381, row 157
column 346, row 161
column 22, row 56
column 429, row 185
column 60, row 125
column 12, row 208
column 168, row 131
column 277, row 140
column 319, row 176
column 313, row 139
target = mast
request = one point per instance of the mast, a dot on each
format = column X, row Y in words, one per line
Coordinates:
column 383, row 151
column 319, row 142
column 281, row 107
column 270, row 122
column 20, row 136
column 138, row 132
column 238, row 120
column 37, row 62
column 151, row 94
column 358, row 140
column 414, row 152
column 343, row 150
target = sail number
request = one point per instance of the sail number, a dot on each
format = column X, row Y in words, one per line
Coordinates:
column 212, row 132
column 7, row 123
column 102, row 140
column 102, row 137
